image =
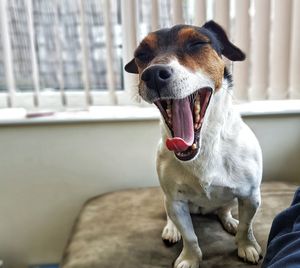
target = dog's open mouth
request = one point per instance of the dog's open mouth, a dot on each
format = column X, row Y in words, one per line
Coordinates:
column 185, row 117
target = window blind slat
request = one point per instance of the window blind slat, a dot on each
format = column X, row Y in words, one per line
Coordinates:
column 154, row 15
column 59, row 58
column 129, row 38
column 109, row 52
column 295, row 49
column 7, row 53
column 260, row 50
column 35, row 69
column 242, row 40
column 177, row 12
column 85, row 54
column 280, row 49
column 221, row 14
column 200, row 12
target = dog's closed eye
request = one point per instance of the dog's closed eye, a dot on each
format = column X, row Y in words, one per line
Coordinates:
column 143, row 56
column 196, row 44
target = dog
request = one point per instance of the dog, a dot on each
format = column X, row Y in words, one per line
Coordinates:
column 207, row 157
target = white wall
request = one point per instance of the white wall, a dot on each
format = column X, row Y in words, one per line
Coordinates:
column 279, row 137
column 48, row 171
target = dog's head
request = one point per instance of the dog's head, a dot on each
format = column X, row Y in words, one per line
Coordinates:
column 180, row 68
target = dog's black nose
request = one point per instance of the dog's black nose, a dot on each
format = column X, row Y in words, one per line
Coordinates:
column 157, row 76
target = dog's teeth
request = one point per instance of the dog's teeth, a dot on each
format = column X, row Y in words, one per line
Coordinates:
column 168, row 104
column 169, row 113
column 197, row 107
column 169, row 109
column 197, row 125
column 197, row 100
column 194, row 146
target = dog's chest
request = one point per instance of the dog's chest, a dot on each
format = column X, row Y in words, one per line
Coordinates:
column 203, row 196
column 208, row 188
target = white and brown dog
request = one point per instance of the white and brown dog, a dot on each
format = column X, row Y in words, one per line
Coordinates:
column 208, row 157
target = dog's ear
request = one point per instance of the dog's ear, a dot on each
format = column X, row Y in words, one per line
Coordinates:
column 131, row 67
column 228, row 49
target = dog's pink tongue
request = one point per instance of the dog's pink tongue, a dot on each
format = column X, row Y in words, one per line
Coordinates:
column 182, row 123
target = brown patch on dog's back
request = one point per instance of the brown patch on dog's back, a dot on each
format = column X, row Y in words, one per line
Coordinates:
column 206, row 59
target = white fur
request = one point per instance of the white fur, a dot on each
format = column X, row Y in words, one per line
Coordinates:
column 186, row 82
column 227, row 167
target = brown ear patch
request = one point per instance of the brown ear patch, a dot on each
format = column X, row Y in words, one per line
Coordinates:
column 205, row 59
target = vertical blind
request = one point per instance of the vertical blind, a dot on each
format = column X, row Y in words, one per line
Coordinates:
column 65, row 53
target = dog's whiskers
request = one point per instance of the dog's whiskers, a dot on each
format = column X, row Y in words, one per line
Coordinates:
column 228, row 91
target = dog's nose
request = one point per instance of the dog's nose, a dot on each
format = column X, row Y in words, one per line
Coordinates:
column 157, row 76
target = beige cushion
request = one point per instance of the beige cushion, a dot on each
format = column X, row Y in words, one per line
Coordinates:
column 123, row 230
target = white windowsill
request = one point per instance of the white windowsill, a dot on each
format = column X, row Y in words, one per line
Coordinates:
column 19, row 116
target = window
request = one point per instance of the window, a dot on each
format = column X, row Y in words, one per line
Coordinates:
column 70, row 53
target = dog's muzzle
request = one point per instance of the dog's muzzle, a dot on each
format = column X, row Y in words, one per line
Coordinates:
column 182, row 98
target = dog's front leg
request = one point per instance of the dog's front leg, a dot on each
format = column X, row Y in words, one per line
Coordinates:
column 191, row 254
column 248, row 248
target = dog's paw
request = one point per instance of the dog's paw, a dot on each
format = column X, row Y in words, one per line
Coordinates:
column 170, row 234
column 188, row 261
column 230, row 224
column 250, row 251
column 187, row 264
